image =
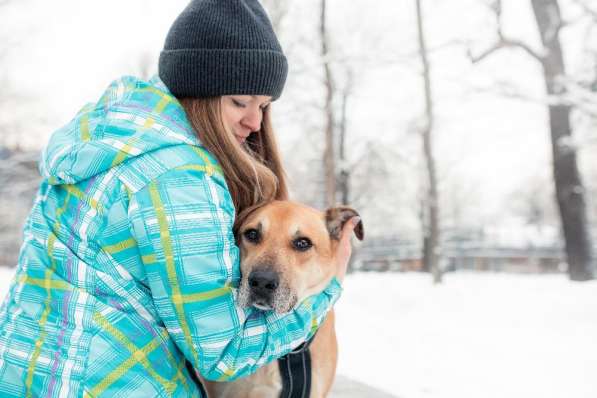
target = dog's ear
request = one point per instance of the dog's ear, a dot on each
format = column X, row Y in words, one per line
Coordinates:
column 336, row 217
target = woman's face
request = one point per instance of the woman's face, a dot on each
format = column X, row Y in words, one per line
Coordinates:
column 242, row 114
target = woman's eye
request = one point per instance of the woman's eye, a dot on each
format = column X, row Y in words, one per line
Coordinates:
column 238, row 103
column 302, row 244
column 252, row 235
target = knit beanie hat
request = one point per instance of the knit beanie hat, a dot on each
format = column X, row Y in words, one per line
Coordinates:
column 223, row 47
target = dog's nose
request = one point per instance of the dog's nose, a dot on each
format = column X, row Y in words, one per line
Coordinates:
column 263, row 282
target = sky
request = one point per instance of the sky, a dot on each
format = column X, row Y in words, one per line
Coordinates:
column 65, row 52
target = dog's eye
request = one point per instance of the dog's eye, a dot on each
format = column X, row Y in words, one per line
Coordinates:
column 302, row 244
column 252, row 235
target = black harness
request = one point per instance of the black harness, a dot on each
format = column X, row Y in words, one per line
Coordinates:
column 295, row 370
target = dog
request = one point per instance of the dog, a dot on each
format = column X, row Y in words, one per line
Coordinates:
column 288, row 253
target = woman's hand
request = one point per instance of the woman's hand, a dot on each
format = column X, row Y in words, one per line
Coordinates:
column 344, row 249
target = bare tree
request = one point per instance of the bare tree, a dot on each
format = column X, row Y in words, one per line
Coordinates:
column 344, row 168
column 430, row 213
column 570, row 192
column 328, row 153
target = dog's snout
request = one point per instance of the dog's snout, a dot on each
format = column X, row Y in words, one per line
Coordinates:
column 263, row 282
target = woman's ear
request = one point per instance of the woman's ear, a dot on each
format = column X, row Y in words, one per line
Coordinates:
column 336, row 217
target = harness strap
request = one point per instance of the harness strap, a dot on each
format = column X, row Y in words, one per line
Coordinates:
column 295, row 370
column 195, row 378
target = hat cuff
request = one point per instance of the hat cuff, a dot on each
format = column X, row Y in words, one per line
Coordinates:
column 216, row 72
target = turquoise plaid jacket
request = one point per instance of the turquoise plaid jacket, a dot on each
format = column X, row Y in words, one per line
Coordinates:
column 129, row 265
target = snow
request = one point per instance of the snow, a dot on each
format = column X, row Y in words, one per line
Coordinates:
column 477, row 335
column 6, row 275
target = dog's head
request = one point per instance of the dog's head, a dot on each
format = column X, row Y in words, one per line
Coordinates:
column 288, row 252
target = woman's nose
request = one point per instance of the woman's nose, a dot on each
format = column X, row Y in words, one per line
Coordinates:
column 252, row 120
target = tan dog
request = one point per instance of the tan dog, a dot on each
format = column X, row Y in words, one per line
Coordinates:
column 288, row 253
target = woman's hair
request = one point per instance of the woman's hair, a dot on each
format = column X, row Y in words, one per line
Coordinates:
column 253, row 171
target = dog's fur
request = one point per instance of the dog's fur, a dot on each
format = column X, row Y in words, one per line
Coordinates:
column 296, row 246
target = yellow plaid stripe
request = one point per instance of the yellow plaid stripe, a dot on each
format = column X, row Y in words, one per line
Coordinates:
column 129, row 193
column 159, row 108
column 120, row 246
column 206, row 169
column 42, row 336
column 138, row 355
column 170, row 268
column 314, row 325
column 124, row 152
column 54, row 284
column 85, row 135
column 148, row 122
column 76, row 192
column 202, row 153
column 194, row 297
column 47, row 283
column 226, row 375
column 149, row 259
column 159, row 93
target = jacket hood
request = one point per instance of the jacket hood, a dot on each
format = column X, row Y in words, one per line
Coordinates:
column 131, row 118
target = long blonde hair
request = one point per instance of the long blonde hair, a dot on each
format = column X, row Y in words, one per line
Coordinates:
column 253, row 172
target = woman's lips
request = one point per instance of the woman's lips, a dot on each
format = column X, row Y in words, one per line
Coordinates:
column 241, row 139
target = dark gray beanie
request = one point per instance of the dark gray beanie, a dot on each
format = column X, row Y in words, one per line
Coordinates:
column 223, row 47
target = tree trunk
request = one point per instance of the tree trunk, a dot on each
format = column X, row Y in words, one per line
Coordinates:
column 328, row 153
column 569, row 188
column 344, row 175
column 431, row 226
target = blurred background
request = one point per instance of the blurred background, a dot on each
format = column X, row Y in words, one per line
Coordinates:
column 464, row 132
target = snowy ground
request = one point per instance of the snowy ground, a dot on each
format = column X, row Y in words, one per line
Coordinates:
column 477, row 335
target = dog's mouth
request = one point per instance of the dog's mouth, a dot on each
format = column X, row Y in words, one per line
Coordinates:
column 262, row 305
column 280, row 301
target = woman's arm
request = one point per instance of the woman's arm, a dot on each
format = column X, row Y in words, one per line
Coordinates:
column 182, row 222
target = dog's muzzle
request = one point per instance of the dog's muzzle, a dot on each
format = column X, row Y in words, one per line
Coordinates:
column 262, row 286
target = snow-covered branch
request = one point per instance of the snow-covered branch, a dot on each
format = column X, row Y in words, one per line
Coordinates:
column 503, row 41
column 586, row 9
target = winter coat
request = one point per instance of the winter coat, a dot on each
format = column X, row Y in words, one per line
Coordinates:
column 129, row 265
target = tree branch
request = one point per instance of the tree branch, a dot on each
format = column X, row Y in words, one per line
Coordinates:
column 586, row 9
column 502, row 41
column 519, row 44
column 474, row 59
column 505, row 42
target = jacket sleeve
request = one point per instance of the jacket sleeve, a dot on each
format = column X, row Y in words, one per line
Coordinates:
column 182, row 222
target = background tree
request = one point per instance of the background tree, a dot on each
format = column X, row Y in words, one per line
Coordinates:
column 570, row 192
column 430, row 213
column 329, row 152
column 344, row 171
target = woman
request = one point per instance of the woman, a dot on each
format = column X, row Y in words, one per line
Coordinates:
column 129, row 268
